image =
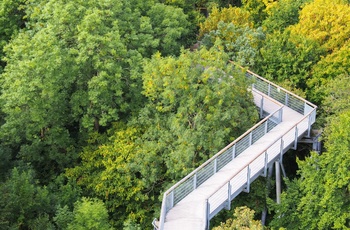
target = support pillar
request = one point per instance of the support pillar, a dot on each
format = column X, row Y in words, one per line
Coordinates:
column 268, row 185
column 278, row 182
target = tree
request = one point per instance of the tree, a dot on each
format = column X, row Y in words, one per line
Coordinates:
column 325, row 21
column 76, row 69
column 24, row 203
column 234, row 15
column 329, row 68
column 233, row 27
column 122, row 172
column 89, row 214
column 196, row 104
column 243, row 219
column 257, row 9
column 281, row 14
column 322, row 200
column 286, row 57
column 241, row 43
column 195, row 93
column 12, row 19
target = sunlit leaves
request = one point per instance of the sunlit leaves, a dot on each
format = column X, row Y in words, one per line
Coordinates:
column 325, row 21
column 201, row 98
column 243, row 219
column 234, row 15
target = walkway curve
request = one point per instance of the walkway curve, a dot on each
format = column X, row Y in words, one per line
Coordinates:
column 193, row 201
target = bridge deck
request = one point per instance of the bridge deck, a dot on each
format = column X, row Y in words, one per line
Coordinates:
column 189, row 212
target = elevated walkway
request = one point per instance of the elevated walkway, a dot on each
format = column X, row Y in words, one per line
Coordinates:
column 193, row 201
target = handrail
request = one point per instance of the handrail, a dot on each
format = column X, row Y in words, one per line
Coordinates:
column 221, row 151
column 261, row 152
column 273, row 92
column 271, row 83
column 225, row 148
column 248, row 132
column 283, row 89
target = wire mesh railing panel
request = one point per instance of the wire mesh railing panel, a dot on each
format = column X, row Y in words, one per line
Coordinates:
column 239, row 180
column 295, row 103
column 270, row 124
column 257, row 165
column 303, row 126
column 289, row 137
column 277, row 94
column 224, row 158
column 218, row 198
column 260, row 85
column 204, row 173
column 258, row 132
column 183, row 190
column 274, row 150
column 242, row 145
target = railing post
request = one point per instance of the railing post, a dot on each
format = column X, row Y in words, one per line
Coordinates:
column 233, row 151
column 296, row 138
column 266, row 124
column 262, row 107
column 250, row 138
column 269, row 90
column 286, row 99
column 228, row 196
column 215, row 165
column 172, row 199
column 280, row 114
column 194, row 181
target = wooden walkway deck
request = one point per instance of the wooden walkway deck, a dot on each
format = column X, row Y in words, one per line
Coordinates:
column 189, row 213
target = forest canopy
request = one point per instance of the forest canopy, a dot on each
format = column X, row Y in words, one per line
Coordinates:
column 105, row 104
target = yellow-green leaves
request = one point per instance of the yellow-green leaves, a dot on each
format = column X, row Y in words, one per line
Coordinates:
column 325, row 21
column 234, row 15
column 194, row 101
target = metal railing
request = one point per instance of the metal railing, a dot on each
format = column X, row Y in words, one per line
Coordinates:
column 282, row 95
column 197, row 177
column 243, row 178
column 240, row 181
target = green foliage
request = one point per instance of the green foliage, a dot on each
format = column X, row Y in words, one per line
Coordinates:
column 285, row 213
column 63, row 217
column 338, row 96
column 241, row 43
column 6, row 162
column 234, row 15
column 196, row 105
column 204, row 102
column 169, row 27
column 325, row 21
column 281, row 14
column 76, row 69
column 322, row 200
column 12, row 15
column 120, row 172
column 23, row 203
column 243, row 219
column 89, row 214
column 257, row 10
column 328, row 68
column 288, row 57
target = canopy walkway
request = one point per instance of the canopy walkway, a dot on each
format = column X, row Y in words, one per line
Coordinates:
column 193, row 201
